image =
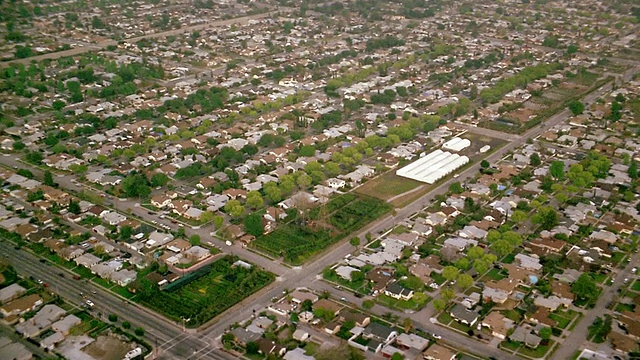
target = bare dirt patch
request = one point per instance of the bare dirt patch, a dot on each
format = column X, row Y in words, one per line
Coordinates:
column 108, row 347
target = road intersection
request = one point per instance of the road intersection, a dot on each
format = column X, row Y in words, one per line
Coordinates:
column 172, row 341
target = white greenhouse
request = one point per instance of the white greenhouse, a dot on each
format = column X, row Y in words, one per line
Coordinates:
column 433, row 167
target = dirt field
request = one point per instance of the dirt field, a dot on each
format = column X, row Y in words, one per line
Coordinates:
column 387, row 185
column 107, row 348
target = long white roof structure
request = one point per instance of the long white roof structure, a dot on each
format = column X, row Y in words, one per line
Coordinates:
column 433, row 166
column 456, row 144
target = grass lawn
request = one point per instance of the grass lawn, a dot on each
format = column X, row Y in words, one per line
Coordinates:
column 510, row 345
column 624, row 307
column 437, row 278
column 363, row 287
column 562, row 321
column 599, row 278
column 636, row 285
column 411, row 304
column 538, row 352
column 387, row 186
column 512, row 314
column 617, row 257
column 311, row 348
column 494, row 274
column 445, row 318
column 458, row 326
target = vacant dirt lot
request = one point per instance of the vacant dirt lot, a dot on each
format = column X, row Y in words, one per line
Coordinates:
column 108, row 347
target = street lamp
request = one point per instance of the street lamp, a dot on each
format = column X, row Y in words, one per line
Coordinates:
column 183, row 321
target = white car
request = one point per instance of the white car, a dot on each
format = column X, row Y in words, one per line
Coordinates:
column 89, row 303
column 436, row 336
column 634, row 270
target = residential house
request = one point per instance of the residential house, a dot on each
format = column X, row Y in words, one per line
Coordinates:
column 378, row 335
column 297, row 354
column 124, row 277
column 267, row 347
column 526, row 334
column 65, row 324
column 300, row 335
column 411, row 341
column 160, row 201
column 328, row 305
column 464, row 315
column 87, row 260
column 300, row 295
column 498, row 324
column 439, row 352
column 21, row 305
column 40, row 322
column 379, row 278
column 11, row 292
column 399, row 292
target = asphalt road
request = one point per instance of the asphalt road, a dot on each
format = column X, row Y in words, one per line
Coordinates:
column 106, row 303
column 573, row 342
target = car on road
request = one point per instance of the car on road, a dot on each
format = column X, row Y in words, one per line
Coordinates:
column 343, row 299
column 40, row 281
column 634, row 270
column 89, row 303
column 626, row 280
column 436, row 336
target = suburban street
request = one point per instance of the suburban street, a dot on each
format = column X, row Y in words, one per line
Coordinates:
column 573, row 342
column 169, row 335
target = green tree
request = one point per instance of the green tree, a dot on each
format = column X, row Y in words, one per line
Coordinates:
column 74, row 207
column 254, row 200
column 139, row 331
column 253, row 224
column 113, row 317
column 194, row 240
column 456, row 188
column 355, row 241
column 546, row 217
column 218, row 221
column 633, row 170
column 439, row 304
column 484, row 164
column 252, row 347
column 556, row 169
column 450, row 273
column 464, row 281
column 519, row 216
column 48, row 179
column 534, row 159
column 576, row 107
column 159, row 179
column 545, row 333
column 135, row 185
column 357, row 276
column 585, row 287
column 18, row 145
